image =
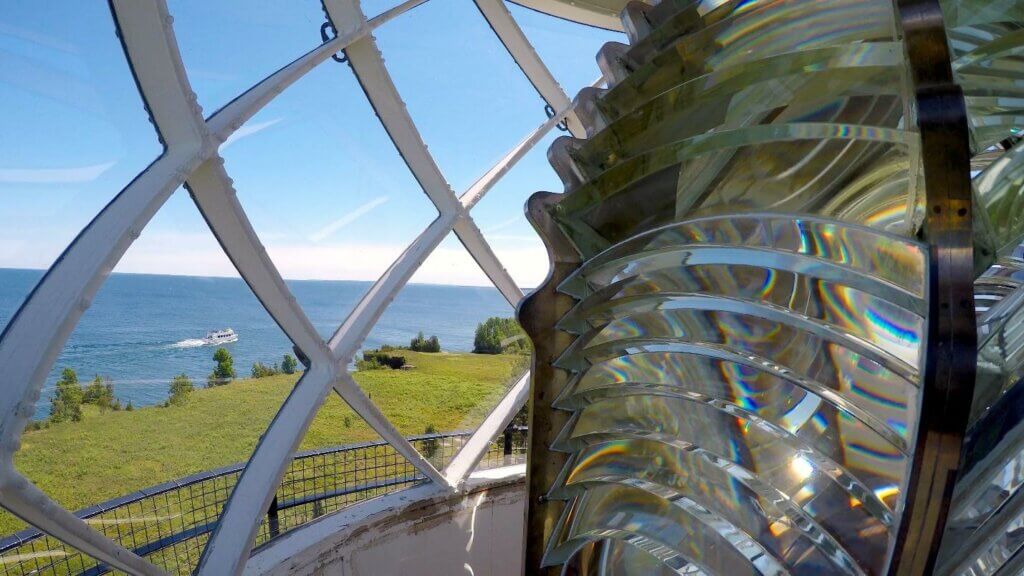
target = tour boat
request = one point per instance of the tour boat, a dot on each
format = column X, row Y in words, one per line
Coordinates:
column 220, row 336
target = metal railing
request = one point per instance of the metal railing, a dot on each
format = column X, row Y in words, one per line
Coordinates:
column 170, row 523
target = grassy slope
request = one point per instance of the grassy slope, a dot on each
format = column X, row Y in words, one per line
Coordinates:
column 107, row 455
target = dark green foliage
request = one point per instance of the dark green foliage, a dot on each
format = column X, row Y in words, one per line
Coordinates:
column 522, row 418
column 179, row 390
column 500, row 335
column 365, row 365
column 94, row 391
column 377, row 360
column 66, row 404
column 421, row 344
column 430, row 445
column 289, row 364
column 130, row 406
column 101, row 393
column 37, row 425
column 225, row 370
column 261, row 370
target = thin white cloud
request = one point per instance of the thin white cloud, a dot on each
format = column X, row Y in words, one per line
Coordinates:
column 36, row 39
column 53, row 175
column 503, row 225
column 332, row 228
column 248, row 130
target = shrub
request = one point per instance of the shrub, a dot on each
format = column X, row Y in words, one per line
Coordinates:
column 500, row 335
column 289, row 364
column 225, row 370
column 371, row 364
column 261, row 370
column 421, row 344
column 66, row 404
column 430, row 445
column 101, row 393
column 375, row 360
column 130, row 406
column 178, row 392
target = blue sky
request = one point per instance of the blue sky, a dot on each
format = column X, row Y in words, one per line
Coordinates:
column 320, row 180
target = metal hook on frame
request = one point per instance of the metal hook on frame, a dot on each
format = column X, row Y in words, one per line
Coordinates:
column 325, row 38
column 550, row 111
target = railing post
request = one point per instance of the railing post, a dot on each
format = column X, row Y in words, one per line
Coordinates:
column 272, row 519
column 508, row 445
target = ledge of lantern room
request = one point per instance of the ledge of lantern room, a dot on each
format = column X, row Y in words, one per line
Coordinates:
column 426, row 530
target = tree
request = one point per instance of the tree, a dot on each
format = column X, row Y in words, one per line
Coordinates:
column 130, row 407
column 225, row 370
column 497, row 335
column 66, row 404
column 101, row 393
column 422, row 344
column 179, row 390
column 261, row 370
column 115, row 404
column 289, row 364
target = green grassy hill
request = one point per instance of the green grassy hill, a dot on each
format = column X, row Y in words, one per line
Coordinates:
column 115, row 453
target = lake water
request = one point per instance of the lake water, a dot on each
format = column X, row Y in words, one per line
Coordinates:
column 136, row 330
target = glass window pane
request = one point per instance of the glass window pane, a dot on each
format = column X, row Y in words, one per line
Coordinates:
column 466, row 95
column 144, row 394
column 501, row 218
column 326, row 190
column 75, row 133
column 568, row 49
column 451, row 390
column 228, row 46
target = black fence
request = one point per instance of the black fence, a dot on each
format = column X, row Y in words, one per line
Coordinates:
column 170, row 523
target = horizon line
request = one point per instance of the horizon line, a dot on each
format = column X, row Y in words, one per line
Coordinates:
column 239, row 277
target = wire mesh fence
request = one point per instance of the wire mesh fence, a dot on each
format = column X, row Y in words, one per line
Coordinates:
column 170, row 523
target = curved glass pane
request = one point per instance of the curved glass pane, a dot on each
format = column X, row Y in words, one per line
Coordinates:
column 227, row 47
column 501, row 217
column 469, row 100
column 566, row 48
column 157, row 383
column 453, row 388
column 323, row 186
column 75, row 132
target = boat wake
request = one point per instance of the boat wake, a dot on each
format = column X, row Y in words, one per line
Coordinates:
column 189, row 343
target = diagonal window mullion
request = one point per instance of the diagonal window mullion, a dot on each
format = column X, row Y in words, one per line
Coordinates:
column 511, row 35
column 349, row 391
column 471, row 237
column 234, row 536
column 350, row 335
column 368, row 65
column 230, row 118
column 33, row 338
column 480, row 441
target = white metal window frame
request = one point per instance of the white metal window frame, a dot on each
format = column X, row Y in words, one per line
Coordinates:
column 34, row 337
